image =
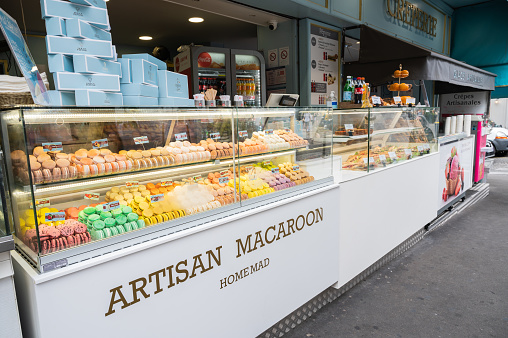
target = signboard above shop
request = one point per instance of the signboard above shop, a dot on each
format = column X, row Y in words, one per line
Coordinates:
column 464, row 103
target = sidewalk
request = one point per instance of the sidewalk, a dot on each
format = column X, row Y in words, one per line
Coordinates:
column 453, row 283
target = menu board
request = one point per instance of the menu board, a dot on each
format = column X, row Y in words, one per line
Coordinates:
column 324, row 63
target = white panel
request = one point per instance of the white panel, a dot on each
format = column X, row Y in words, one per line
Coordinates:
column 9, row 319
column 381, row 210
column 296, row 268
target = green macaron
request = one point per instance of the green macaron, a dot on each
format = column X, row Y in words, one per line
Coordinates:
column 99, row 225
column 105, row 214
column 141, row 223
column 121, row 219
column 97, row 234
column 114, row 231
column 132, row 217
column 120, row 229
column 127, row 226
column 89, row 210
column 126, row 209
column 109, row 222
column 117, row 212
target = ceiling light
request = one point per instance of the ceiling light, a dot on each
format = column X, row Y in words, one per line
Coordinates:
column 145, row 37
column 357, row 42
column 196, row 20
column 497, row 101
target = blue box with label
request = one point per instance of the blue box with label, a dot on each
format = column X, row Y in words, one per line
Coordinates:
column 76, row 28
column 56, row 26
column 175, row 102
column 143, row 71
column 72, row 46
column 138, row 89
column 74, row 81
column 98, row 98
column 135, row 101
column 95, row 3
column 60, row 63
column 91, row 64
column 67, row 10
column 172, row 84
column 160, row 64
column 126, row 71
column 58, row 98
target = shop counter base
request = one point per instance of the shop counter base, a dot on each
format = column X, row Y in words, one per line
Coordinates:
column 233, row 277
column 9, row 319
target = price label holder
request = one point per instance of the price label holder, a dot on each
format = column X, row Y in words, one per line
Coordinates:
column 197, row 178
column 181, row 137
column 129, row 184
column 410, row 100
column 409, row 153
column 166, row 183
column 376, row 100
column 156, row 198
column 426, row 147
column 267, row 163
column 420, row 149
column 216, row 162
column 275, row 170
column 215, row 136
column 140, row 139
column 54, row 216
column 382, row 158
column 111, row 206
column 243, row 133
column 42, row 203
column 223, row 179
column 349, row 126
column 102, row 143
column 393, row 156
column 268, row 131
column 397, row 100
column 52, row 147
column 224, row 172
column 365, row 160
column 371, row 160
column 93, row 196
column 296, row 167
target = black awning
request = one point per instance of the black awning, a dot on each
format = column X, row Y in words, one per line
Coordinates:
column 381, row 54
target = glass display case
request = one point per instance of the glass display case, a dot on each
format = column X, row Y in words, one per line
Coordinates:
column 88, row 181
column 374, row 138
column 6, row 242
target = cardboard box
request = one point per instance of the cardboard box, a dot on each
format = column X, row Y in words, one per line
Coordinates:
column 126, row 71
column 95, row 3
column 172, row 84
column 56, row 26
column 136, row 101
column 60, row 63
column 98, row 98
column 90, row 64
column 74, row 81
column 67, row 10
column 72, row 46
column 76, row 28
column 160, row 64
column 143, row 71
column 138, row 89
column 175, row 102
column 58, row 98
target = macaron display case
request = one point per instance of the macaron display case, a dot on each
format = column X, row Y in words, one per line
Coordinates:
column 88, row 181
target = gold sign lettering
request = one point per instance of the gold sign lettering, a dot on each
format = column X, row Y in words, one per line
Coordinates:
column 408, row 13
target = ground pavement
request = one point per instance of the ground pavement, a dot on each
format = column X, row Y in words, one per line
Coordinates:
column 453, row 283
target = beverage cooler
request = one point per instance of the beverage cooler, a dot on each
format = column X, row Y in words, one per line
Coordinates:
column 228, row 71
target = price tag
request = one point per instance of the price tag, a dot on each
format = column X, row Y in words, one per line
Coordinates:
column 349, row 126
column 248, row 168
column 420, row 148
column 376, row 100
column 102, row 143
column 112, row 205
column 131, row 184
column 408, row 151
column 296, row 167
column 54, row 216
column 426, row 146
column 275, row 170
column 397, row 100
column 181, row 136
column 44, row 202
column 243, row 133
column 215, row 136
column 410, row 100
column 267, row 162
column 140, row 139
column 166, row 183
column 197, row 178
column 156, row 198
column 268, row 131
column 371, row 160
column 382, row 158
column 92, row 196
column 223, row 179
column 52, row 146
column 392, row 155
column 365, row 160
column 224, row 172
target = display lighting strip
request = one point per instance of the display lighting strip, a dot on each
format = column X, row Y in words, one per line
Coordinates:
column 144, row 176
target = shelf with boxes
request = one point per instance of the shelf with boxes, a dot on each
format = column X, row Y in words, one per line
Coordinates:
column 116, row 176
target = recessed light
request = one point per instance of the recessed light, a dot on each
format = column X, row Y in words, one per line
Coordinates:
column 145, row 37
column 357, row 42
column 196, row 20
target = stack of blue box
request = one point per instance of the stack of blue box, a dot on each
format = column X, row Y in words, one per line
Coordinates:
column 139, row 79
column 81, row 55
column 173, row 89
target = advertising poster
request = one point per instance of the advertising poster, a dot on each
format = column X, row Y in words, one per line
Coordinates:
column 455, row 170
column 324, row 63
